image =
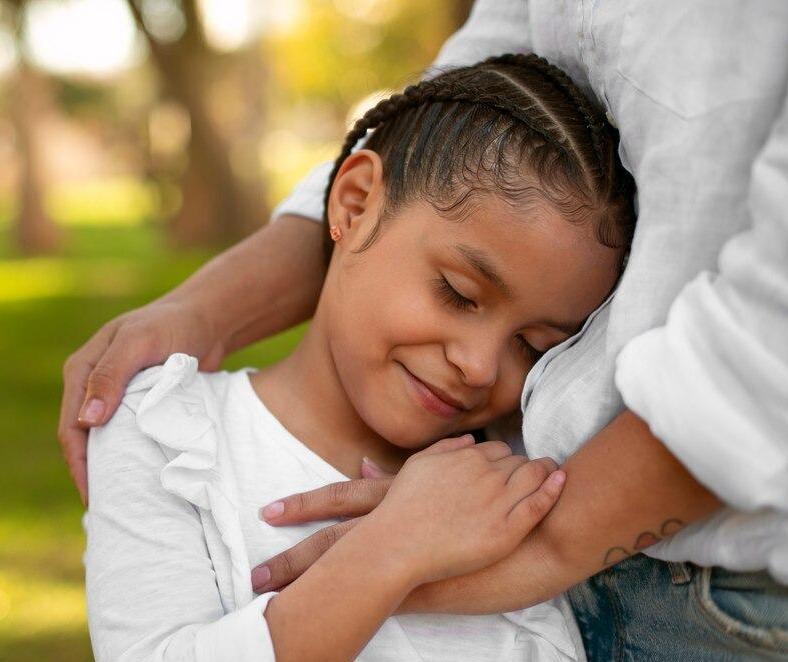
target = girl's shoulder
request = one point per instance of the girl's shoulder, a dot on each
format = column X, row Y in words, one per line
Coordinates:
column 171, row 424
column 177, row 383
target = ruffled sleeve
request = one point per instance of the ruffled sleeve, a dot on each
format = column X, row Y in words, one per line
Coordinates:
column 178, row 411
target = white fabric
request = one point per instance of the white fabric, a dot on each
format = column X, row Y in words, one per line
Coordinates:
column 177, row 477
column 696, row 88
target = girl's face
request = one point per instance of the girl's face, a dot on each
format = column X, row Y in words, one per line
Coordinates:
column 433, row 328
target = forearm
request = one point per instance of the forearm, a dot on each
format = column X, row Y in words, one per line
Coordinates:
column 333, row 609
column 623, row 491
column 266, row 283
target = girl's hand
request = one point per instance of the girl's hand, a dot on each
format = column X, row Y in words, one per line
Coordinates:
column 353, row 498
column 457, row 506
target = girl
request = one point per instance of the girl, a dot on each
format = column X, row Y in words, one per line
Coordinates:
column 485, row 219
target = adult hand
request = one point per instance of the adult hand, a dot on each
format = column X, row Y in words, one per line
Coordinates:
column 96, row 375
column 355, row 498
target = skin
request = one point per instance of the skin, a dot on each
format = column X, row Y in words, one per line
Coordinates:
column 411, row 341
column 646, row 492
column 247, row 293
column 450, row 303
column 397, row 548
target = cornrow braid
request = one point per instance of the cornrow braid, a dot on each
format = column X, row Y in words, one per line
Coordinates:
column 475, row 129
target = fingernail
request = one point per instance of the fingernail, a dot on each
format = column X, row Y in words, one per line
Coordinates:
column 92, row 412
column 371, row 464
column 557, row 478
column 272, row 510
column 261, row 575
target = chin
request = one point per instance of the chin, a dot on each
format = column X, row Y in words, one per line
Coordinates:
column 408, row 436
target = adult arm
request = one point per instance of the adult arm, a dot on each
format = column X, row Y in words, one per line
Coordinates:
column 265, row 284
column 713, row 384
column 713, row 381
column 624, row 490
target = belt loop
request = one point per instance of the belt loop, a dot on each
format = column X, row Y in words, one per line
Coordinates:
column 680, row 573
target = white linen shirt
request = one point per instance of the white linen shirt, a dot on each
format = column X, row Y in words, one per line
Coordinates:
column 696, row 339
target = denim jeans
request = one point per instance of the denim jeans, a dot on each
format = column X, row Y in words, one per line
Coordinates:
column 643, row 609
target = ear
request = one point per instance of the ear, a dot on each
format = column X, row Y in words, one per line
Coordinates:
column 357, row 194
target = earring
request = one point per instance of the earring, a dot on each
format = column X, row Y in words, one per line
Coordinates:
column 335, row 232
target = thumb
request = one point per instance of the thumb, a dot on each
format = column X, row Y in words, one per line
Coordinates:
column 371, row 470
column 107, row 382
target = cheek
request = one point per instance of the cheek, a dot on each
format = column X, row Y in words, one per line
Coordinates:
column 509, row 387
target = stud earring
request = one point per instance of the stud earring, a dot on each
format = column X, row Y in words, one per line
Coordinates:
column 335, row 232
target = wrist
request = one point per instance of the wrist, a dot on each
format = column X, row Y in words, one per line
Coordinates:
column 394, row 560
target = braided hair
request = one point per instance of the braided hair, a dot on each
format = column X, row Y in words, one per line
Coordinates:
column 491, row 128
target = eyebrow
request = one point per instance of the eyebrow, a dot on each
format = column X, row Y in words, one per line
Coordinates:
column 482, row 263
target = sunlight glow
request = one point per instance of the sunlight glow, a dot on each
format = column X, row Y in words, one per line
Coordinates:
column 229, row 24
column 8, row 53
column 89, row 37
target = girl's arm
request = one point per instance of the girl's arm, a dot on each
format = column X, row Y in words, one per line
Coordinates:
column 624, row 490
column 152, row 586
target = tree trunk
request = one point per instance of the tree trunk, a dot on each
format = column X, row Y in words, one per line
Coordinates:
column 34, row 231
column 217, row 207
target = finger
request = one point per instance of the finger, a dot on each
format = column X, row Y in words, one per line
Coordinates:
column 371, row 470
column 508, row 465
column 533, row 508
column 72, row 438
column 528, row 477
column 449, row 444
column 292, row 563
column 73, row 441
column 349, row 498
column 494, row 450
column 125, row 356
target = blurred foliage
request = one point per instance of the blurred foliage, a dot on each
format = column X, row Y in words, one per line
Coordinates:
column 48, row 307
column 114, row 255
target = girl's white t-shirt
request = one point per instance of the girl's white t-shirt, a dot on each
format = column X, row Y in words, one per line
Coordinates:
column 177, row 478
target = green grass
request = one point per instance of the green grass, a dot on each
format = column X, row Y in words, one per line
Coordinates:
column 48, row 307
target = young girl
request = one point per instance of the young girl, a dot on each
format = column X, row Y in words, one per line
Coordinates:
column 485, row 219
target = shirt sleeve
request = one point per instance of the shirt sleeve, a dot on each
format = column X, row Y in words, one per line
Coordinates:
column 493, row 27
column 713, row 381
column 151, row 590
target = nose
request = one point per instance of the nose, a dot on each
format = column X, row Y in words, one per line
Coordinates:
column 477, row 357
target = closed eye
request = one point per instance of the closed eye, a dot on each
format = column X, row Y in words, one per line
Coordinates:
column 529, row 350
column 450, row 296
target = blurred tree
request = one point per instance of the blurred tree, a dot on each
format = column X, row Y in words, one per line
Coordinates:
column 217, row 206
column 33, row 229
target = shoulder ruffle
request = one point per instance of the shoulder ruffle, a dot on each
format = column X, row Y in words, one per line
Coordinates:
column 176, row 407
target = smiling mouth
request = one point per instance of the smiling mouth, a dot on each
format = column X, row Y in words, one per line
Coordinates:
column 433, row 399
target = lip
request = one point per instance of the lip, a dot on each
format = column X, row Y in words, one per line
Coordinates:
column 434, row 399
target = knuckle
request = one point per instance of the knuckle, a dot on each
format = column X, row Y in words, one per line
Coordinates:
column 337, row 493
column 539, row 471
column 283, row 566
column 70, row 364
column 101, row 379
column 501, row 445
column 300, row 501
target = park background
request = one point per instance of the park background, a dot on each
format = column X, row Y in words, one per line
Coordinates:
column 137, row 138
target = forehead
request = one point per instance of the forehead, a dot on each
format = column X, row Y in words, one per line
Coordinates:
column 546, row 261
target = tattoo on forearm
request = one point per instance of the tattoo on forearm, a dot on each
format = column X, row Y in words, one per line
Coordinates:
column 643, row 540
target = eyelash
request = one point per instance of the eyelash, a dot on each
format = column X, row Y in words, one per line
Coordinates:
column 453, row 298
